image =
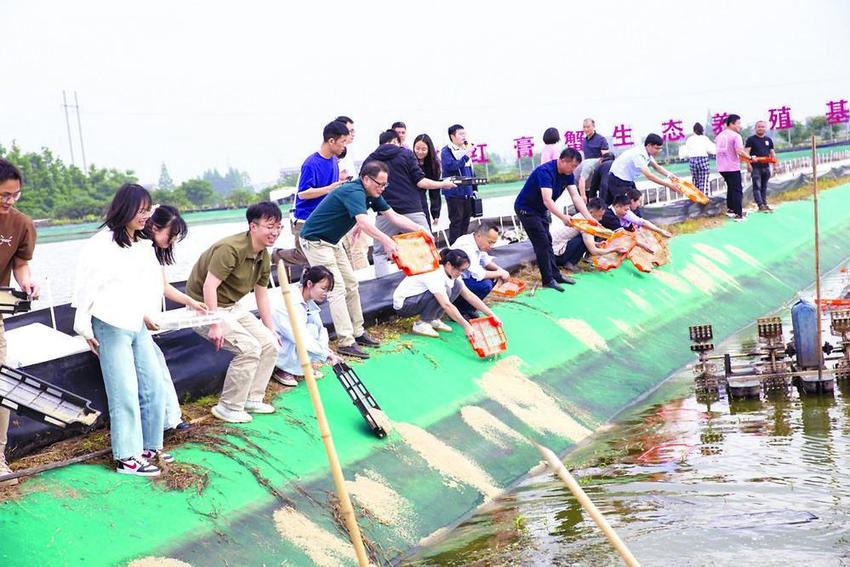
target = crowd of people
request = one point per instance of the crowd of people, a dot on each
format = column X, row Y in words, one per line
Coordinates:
column 121, row 281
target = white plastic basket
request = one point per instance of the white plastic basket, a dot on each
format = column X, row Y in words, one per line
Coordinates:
column 184, row 318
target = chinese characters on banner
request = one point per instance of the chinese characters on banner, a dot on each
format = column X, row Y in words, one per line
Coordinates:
column 717, row 122
column 574, row 139
column 837, row 112
column 524, row 146
column 780, row 118
column 672, row 131
column 479, row 155
column 622, row 136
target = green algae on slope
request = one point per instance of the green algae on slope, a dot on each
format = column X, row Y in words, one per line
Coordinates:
column 233, row 517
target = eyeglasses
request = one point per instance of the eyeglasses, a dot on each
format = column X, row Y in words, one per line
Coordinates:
column 10, row 197
column 378, row 183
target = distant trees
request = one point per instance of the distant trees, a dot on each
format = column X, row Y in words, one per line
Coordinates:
column 224, row 184
column 53, row 189
column 165, row 181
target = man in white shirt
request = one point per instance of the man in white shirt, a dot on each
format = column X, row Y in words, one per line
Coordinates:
column 629, row 165
column 483, row 271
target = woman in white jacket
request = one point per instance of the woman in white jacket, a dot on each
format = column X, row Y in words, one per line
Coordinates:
column 697, row 148
column 118, row 267
column 316, row 283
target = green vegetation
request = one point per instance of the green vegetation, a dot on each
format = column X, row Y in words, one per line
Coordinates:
column 65, row 193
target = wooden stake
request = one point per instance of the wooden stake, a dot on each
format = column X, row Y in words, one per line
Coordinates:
column 817, row 257
column 325, row 430
column 559, row 469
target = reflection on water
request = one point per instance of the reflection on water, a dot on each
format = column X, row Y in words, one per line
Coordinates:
column 754, row 482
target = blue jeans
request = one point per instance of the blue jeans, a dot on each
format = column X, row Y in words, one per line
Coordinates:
column 173, row 413
column 480, row 288
column 133, row 379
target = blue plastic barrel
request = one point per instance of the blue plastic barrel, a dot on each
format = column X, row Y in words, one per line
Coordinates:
column 804, row 320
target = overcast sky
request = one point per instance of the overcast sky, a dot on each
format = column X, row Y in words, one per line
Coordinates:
column 251, row 84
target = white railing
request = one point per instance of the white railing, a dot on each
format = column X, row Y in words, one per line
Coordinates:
column 716, row 186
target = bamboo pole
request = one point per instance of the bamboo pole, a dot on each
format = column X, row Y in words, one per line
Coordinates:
column 817, row 257
column 559, row 469
column 325, row 430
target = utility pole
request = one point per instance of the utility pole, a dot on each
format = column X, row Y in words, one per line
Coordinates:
column 80, row 129
column 68, row 126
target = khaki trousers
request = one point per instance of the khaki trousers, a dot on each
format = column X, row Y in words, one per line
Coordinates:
column 254, row 348
column 344, row 298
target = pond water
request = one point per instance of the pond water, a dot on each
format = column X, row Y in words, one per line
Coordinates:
column 756, row 482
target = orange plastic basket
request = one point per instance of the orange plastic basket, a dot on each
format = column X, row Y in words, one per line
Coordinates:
column 834, row 304
column 488, row 338
column 690, row 191
column 591, row 227
column 759, row 159
column 611, row 261
column 510, row 288
column 416, row 253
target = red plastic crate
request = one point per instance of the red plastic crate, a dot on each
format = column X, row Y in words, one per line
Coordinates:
column 510, row 288
column 489, row 337
column 417, row 253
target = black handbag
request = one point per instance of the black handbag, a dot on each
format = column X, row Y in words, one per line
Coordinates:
column 477, row 205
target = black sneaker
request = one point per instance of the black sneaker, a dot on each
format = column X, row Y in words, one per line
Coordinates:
column 352, row 350
column 561, row 278
column 552, row 284
column 366, row 340
column 137, row 466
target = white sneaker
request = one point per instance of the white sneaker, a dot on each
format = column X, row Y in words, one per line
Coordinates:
column 438, row 325
column 230, row 416
column 157, row 455
column 4, row 469
column 137, row 466
column 424, row 329
column 258, row 407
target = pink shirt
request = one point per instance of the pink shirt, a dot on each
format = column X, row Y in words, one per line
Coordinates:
column 549, row 153
column 727, row 142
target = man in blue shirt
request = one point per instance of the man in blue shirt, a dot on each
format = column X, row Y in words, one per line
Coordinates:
column 594, row 145
column 455, row 158
column 319, row 176
column 535, row 203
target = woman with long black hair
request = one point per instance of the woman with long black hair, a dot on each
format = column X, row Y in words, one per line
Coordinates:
column 165, row 227
column 117, row 267
column 429, row 161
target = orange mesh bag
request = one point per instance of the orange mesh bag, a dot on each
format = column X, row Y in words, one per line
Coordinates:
column 690, row 191
column 510, row 288
column 488, row 338
column 607, row 262
column 416, row 253
column 645, row 260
